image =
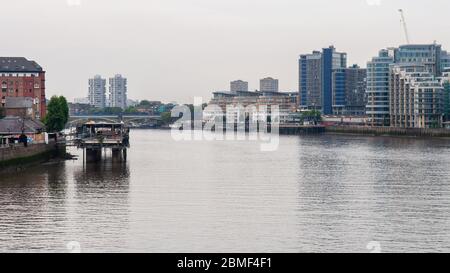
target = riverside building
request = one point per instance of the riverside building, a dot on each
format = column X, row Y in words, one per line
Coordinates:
column 446, row 100
column 316, row 78
column 416, row 97
column 377, row 90
column 429, row 56
column 23, row 78
column 445, row 62
column 349, row 91
column 287, row 103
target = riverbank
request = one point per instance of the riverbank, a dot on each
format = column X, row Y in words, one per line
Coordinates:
column 388, row 131
column 17, row 157
column 355, row 130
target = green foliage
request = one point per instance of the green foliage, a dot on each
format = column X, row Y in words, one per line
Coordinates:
column 57, row 114
column 145, row 103
column 434, row 124
column 131, row 110
column 2, row 112
column 313, row 116
column 166, row 118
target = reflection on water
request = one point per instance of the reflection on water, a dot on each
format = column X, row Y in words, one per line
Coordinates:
column 316, row 193
column 47, row 206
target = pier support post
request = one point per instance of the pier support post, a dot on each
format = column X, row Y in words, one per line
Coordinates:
column 93, row 154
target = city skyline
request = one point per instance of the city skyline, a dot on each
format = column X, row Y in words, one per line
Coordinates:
column 159, row 34
column 214, row 130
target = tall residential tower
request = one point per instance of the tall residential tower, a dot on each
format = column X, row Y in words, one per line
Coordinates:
column 429, row 56
column 378, row 70
column 97, row 92
column 118, row 91
column 416, row 97
column 316, row 78
column 349, row 91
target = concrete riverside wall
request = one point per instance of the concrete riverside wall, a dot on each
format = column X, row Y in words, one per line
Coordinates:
column 17, row 152
column 390, row 131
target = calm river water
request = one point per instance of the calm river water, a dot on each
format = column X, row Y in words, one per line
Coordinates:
column 315, row 194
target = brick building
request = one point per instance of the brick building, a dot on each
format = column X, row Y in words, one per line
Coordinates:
column 20, row 77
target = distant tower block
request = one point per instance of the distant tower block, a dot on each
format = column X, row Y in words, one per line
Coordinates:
column 97, row 92
column 118, row 91
column 238, row 86
column 268, row 85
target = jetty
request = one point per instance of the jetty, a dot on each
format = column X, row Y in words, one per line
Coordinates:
column 95, row 137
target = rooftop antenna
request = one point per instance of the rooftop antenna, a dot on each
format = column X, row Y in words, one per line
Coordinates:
column 405, row 28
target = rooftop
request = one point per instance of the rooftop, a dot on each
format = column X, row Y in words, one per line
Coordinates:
column 18, row 64
column 14, row 125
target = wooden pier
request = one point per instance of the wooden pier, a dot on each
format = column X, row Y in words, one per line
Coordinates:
column 94, row 138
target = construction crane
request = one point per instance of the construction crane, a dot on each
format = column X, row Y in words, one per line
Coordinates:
column 405, row 28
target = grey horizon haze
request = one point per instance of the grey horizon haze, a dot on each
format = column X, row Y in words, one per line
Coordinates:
column 173, row 50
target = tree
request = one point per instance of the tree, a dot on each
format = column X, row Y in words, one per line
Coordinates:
column 131, row 110
column 313, row 116
column 144, row 103
column 57, row 114
column 166, row 118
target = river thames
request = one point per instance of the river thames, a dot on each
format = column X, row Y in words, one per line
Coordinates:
column 314, row 194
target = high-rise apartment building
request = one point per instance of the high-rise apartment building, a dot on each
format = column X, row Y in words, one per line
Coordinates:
column 316, row 78
column 331, row 60
column 378, row 70
column 97, row 92
column 416, row 97
column 310, row 84
column 268, row 85
column 429, row 56
column 237, row 86
column 349, row 91
column 445, row 61
column 118, row 91
column 20, row 77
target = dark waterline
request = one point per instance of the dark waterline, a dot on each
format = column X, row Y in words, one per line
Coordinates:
column 315, row 194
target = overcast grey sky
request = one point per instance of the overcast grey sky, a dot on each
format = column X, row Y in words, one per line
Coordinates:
column 173, row 50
